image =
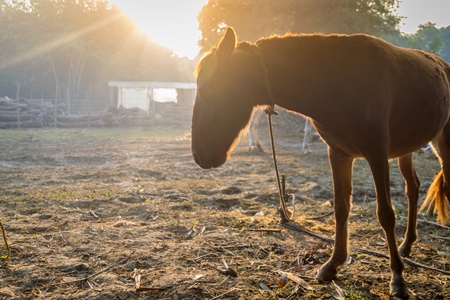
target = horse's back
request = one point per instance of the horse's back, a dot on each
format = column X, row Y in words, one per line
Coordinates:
column 360, row 90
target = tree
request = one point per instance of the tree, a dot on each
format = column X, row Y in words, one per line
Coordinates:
column 78, row 44
column 346, row 16
column 431, row 39
column 445, row 36
column 256, row 18
column 426, row 38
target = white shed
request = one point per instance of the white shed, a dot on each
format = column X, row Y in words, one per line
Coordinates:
column 153, row 97
column 132, row 94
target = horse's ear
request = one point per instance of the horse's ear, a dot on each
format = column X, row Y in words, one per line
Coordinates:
column 227, row 44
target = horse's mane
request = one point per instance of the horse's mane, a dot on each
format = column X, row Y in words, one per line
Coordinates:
column 311, row 38
column 204, row 60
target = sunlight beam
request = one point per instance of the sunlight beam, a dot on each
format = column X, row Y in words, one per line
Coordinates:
column 171, row 23
column 47, row 47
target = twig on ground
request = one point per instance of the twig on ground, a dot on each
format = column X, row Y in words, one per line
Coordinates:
column 435, row 236
column 112, row 266
column 226, row 247
column 298, row 279
column 205, row 256
column 406, row 260
column 143, row 288
column 265, row 230
column 434, row 223
column 322, row 216
column 429, row 223
column 223, row 294
column 95, row 274
column 297, row 227
column 137, row 281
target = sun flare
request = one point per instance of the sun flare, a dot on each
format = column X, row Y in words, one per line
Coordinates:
column 172, row 23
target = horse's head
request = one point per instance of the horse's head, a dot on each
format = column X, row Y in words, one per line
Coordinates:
column 224, row 100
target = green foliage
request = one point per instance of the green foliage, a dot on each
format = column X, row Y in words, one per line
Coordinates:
column 76, row 44
column 256, row 18
column 431, row 39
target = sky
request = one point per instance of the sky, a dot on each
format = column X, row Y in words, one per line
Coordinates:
column 422, row 11
column 173, row 23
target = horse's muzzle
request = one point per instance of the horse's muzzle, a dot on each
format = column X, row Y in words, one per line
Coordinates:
column 209, row 161
column 196, row 159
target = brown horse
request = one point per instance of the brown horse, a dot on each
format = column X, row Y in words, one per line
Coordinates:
column 366, row 98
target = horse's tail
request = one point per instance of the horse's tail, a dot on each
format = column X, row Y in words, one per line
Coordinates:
column 436, row 199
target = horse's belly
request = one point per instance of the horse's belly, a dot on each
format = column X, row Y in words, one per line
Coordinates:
column 413, row 138
column 360, row 139
column 409, row 132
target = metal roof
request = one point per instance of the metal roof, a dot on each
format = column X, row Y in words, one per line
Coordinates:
column 152, row 84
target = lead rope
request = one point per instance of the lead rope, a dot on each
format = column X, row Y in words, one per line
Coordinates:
column 8, row 249
column 285, row 215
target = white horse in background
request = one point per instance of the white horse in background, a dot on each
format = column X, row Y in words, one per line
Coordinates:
column 309, row 136
column 252, row 132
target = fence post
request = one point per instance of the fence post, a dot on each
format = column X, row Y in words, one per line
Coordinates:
column 69, row 102
column 56, row 106
column 152, row 102
column 18, row 106
column 89, row 107
column 86, row 103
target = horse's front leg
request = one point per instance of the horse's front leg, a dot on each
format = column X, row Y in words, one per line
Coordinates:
column 341, row 167
column 379, row 165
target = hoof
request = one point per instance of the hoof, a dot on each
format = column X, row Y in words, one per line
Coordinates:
column 256, row 150
column 306, row 151
column 400, row 290
column 326, row 274
column 404, row 250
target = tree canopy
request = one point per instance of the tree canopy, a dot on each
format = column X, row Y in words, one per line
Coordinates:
column 253, row 19
column 76, row 44
column 431, row 39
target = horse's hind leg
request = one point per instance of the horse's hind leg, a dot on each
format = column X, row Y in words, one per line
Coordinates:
column 341, row 167
column 412, row 185
column 379, row 165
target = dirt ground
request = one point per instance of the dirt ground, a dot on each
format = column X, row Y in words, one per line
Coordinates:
column 127, row 214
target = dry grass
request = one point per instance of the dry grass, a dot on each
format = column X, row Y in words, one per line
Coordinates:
column 126, row 214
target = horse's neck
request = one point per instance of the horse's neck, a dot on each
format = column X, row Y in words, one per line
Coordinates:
column 294, row 100
column 285, row 82
column 305, row 73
